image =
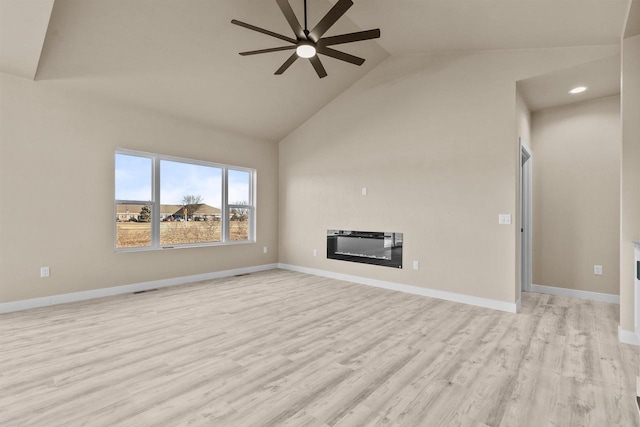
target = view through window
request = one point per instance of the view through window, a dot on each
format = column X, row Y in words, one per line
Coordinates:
column 190, row 202
column 239, row 206
column 167, row 202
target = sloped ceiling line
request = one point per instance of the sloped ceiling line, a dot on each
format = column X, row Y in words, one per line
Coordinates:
column 23, row 28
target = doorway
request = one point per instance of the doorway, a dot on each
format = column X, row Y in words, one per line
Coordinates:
column 526, row 274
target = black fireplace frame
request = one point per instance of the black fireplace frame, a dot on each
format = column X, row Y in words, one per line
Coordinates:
column 365, row 247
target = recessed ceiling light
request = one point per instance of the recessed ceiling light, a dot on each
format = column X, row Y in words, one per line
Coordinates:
column 578, row 89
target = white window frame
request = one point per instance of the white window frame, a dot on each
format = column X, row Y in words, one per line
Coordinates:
column 155, row 202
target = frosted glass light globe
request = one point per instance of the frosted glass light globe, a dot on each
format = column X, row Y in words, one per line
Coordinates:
column 305, row 51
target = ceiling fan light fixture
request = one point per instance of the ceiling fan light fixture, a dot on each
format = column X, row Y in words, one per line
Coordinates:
column 306, row 50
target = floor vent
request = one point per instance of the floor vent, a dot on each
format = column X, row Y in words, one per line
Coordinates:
column 240, row 275
column 142, row 292
column 638, row 394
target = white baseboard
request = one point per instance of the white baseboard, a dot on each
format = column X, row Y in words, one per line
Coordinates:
column 8, row 307
column 410, row 289
column 593, row 296
column 628, row 337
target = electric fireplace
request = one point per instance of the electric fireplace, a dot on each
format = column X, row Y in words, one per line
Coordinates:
column 368, row 247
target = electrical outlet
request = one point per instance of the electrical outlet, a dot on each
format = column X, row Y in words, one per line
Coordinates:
column 416, row 265
column 597, row 270
column 315, row 252
column 44, row 271
column 265, row 249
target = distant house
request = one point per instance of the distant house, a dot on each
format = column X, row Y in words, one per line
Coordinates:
column 127, row 212
column 201, row 210
column 170, row 210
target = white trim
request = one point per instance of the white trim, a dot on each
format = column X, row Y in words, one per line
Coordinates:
column 636, row 292
column 628, row 337
column 526, row 217
column 574, row 293
column 409, row 289
column 518, row 305
column 8, row 307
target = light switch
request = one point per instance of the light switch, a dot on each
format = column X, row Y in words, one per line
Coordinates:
column 364, row 191
column 504, row 219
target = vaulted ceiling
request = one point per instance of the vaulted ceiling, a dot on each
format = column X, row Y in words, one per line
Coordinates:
column 181, row 57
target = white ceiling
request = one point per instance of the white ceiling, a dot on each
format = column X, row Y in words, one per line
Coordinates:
column 23, row 26
column 602, row 78
column 416, row 26
column 633, row 22
column 181, row 57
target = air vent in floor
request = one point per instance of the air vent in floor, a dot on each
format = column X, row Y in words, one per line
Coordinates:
column 142, row 292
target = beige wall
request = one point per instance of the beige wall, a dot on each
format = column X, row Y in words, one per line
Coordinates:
column 576, row 200
column 523, row 120
column 57, row 152
column 433, row 137
column 630, row 177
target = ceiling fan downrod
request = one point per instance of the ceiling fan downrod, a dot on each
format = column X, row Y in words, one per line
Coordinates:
column 306, row 31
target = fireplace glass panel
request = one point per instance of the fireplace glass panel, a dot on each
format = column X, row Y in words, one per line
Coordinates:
column 368, row 247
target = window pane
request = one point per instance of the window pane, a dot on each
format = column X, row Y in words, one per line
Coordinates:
column 190, row 201
column 238, row 187
column 133, row 177
column 133, row 225
column 239, row 223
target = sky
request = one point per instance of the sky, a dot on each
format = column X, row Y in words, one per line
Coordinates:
column 133, row 181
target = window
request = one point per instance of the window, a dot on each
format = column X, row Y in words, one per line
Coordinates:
column 239, row 184
column 134, row 179
column 190, row 202
column 164, row 202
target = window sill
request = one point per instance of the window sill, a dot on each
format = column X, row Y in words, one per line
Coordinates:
column 188, row 246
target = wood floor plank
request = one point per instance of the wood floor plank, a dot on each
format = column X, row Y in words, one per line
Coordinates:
column 288, row 349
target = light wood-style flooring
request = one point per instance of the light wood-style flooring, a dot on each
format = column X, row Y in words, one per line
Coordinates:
column 289, row 349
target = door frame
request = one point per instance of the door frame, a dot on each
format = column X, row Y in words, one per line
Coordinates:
column 526, row 247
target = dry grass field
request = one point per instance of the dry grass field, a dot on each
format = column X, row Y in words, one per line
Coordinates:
column 138, row 234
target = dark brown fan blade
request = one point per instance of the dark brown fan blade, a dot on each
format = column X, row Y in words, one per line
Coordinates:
column 287, row 63
column 349, row 38
column 285, row 7
column 263, row 31
column 273, row 49
column 329, row 19
column 317, row 65
column 339, row 55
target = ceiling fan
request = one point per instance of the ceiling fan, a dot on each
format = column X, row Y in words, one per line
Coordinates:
column 308, row 44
